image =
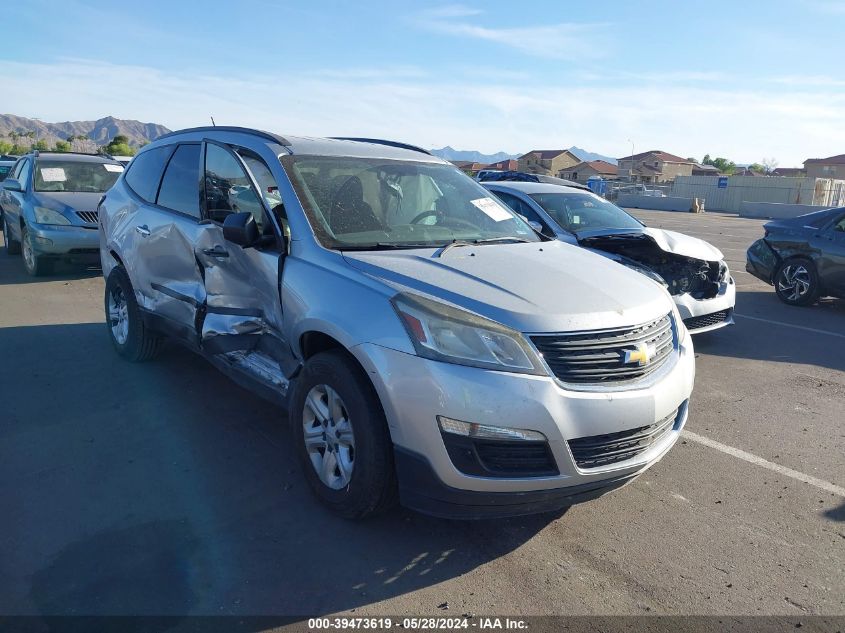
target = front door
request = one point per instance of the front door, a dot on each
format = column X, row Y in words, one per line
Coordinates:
column 831, row 261
column 243, row 309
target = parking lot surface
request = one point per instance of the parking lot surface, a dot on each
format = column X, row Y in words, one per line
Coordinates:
column 164, row 488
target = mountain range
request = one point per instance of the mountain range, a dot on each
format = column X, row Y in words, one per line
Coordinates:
column 449, row 153
column 100, row 131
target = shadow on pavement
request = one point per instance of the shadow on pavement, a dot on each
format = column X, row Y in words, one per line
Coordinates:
column 164, row 488
column 754, row 339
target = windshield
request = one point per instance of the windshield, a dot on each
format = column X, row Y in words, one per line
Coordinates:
column 365, row 203
column 70, row 175
column 584, row 212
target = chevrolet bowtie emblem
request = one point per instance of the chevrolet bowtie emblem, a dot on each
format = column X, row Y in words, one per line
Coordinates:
column 640, row 356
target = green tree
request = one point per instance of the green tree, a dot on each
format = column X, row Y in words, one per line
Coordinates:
column 41, row 145
column 119, row 146
column 5, row 147
column 62, row 146
column 757, row 168
column 18, row 149
column 722, row 164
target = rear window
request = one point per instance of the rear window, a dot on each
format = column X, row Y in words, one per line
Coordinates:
column 4, row 171
column 180, row 187
column 144, row 173
column 75, row 176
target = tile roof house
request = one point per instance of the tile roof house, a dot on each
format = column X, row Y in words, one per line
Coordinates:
column 510, row 164
column 654, row 166
column 704, row 170
column 830, row 167
column 789, row 172
column 468, row 166
column 587, row 169
column 547, row 161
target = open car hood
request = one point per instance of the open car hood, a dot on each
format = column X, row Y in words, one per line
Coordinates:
column 668, row 241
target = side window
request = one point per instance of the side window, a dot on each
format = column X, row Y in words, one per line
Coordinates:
column 180, row 187
column 227, row 187
column 520, row 207
column 16, row 170
column 23, row 174
column 144, row 173
column 840, row 226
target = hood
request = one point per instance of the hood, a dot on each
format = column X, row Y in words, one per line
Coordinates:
column 668, row 241
column 64, row 201
column 536, row 287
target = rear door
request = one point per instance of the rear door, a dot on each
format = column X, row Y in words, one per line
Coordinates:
column 159, row 241
column 243, row 308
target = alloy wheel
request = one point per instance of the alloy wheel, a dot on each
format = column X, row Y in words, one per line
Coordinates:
column 794, row 282
column 328, row 435
column 28, row 253
column 118, row 316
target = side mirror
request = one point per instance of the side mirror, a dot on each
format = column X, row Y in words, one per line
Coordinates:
column 240, row 229
column 536, row 226
column 11, row 184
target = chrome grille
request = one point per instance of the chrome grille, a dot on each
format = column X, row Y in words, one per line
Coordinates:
column 90, row 217
column 602, row 450
column 599, row 357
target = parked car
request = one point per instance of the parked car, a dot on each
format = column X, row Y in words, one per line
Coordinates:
column 692, row 270
column 803, row 257
column 482, row 173
column 424, row 339
column 123, row 160
column 5, row 168
column 49, row 204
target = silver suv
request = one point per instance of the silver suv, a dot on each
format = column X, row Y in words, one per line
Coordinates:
column 427, row 343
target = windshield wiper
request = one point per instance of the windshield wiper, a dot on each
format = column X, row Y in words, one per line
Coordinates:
column 488, row 240
column 383, row 246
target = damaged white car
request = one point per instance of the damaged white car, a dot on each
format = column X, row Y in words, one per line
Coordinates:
column 692, row 270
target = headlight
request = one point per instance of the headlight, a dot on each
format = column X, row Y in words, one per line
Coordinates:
column 43, row 215
column 647, row 272
column 442, row 332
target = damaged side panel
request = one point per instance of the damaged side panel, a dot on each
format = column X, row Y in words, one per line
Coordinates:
column 241, row 322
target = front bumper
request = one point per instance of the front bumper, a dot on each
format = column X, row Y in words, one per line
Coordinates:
column 414, row 391
column 71, row 242
column 694, row 312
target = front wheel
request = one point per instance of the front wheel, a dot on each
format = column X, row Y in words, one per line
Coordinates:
column 131, row 338
column 797, row 283
column 341, row 436
column 12, row 247
column 35, row 264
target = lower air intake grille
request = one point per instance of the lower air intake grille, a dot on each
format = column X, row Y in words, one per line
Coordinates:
column 608, row 356
column 602, row 450
column 517, row 458
column 706, row 320
column 90, row 217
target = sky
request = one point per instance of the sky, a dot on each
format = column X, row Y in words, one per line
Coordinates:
column 749, row 80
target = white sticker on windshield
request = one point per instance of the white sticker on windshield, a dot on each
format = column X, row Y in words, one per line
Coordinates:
column 53, row 174
column 114, row 168
column 492, row 209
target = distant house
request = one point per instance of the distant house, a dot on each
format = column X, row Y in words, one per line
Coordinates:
column 468, row 166
column 547, row 161
column 704, row 170
column 510, row 164
column 789, row 172
column 746, row 171
column 654, row 166
column 830, row 167
column 583, row 171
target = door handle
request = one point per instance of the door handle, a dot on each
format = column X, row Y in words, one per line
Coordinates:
column 143, row 230
column 217, row 251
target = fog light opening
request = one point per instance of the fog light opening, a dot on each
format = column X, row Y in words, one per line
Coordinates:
column 487, row 432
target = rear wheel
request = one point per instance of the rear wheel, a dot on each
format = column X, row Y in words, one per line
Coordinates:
column 35, row 264
column 131, row 338
column 12, row 247
column 797, row 283
column 341, row 437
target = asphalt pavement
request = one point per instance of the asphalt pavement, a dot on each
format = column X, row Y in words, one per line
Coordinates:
column 164, row 488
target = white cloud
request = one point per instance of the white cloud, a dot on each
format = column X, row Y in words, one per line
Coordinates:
column 464, row 111
column 563, row 41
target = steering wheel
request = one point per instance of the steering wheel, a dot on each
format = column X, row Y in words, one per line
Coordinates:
column 448, row 222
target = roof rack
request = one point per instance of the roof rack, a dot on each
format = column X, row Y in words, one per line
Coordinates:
column 38, row 152
column 379, row 141
column 281, row 140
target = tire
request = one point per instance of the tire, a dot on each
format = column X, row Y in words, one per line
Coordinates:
column 36, row 265
column 362, row 481
column 132, row 340
column 12, row 247
column 797, row 282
